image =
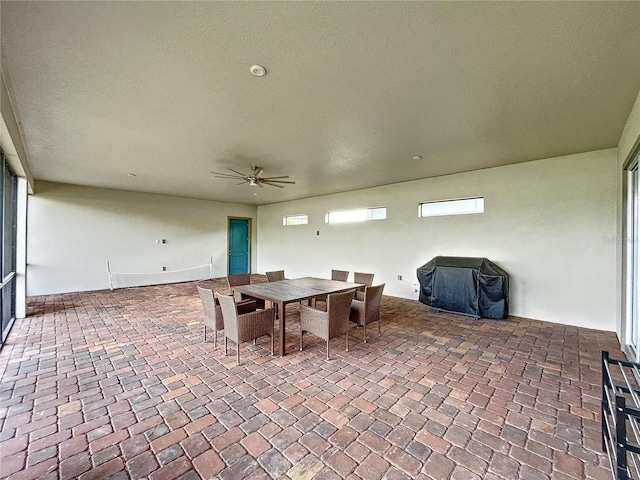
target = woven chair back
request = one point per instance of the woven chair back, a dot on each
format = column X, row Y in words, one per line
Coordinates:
column 340, row 275
column 372, row 302
column 363, row 278
column 338, row 308
column 275, row 276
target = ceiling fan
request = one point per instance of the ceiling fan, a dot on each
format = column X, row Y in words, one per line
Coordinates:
column 254, row 178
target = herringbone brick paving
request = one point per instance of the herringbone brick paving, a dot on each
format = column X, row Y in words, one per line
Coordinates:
column 121, row 384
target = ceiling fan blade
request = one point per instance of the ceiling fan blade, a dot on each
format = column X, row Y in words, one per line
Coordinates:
column 274, row 178
column 229, row 177
column 257, row 171
column 239, row 173
column 273, row 184
column 242, row 183
column 278, row 181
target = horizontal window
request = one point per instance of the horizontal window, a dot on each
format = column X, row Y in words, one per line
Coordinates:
column 463, row 206
column 295, row 220
column 361, row 215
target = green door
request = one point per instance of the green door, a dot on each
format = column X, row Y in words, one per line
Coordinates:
column 238, row 245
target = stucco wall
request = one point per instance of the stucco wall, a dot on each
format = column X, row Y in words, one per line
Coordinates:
column 550, row 223
column 73, row 231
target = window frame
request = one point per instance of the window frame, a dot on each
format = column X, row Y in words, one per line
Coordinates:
column 286, row 218
column 368, row 216
column 476, row 211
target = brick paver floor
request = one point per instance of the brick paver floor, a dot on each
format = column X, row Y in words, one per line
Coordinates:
column 121, row 384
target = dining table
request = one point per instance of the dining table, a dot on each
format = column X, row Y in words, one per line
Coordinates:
column 284, row 292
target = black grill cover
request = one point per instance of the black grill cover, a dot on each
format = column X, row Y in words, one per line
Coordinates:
column 471, row 286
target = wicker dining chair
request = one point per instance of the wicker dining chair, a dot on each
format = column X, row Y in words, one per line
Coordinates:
column 365, row 279
column 213, row 312
column 242, row 328
column 340, row 275
column 275, row 276
column 366, row 311
column 332, row 323
column 237, row 280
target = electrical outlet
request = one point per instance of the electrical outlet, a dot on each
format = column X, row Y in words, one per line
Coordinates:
column 399, row 277
column 415, row 287
column 164, row 269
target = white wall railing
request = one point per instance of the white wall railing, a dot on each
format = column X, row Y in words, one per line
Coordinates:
column 142, row 279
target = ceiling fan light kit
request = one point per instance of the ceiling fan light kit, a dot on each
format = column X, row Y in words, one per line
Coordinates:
column 254, row 179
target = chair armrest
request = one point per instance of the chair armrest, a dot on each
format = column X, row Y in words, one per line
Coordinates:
column 255, row 324
column 311, row 314
column 258, row 315
column 246, row 306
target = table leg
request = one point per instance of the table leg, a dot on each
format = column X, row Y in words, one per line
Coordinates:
column 282, row 326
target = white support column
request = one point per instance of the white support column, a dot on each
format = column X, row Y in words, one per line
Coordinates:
column 21, row 249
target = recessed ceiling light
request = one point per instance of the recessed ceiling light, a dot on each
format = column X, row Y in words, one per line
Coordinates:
column 258, row 70
column 417, row 157
column 255, row 194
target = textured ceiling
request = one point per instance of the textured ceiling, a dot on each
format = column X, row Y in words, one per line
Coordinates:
column 353, row 89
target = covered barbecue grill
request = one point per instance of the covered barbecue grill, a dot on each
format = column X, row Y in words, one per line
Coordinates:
column 467, row 285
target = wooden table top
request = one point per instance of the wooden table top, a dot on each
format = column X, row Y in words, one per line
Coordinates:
column 295, row 289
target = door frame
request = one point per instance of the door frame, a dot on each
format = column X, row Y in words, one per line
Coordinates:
column 630, row 260
column 250, row 240
column 8, row 252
